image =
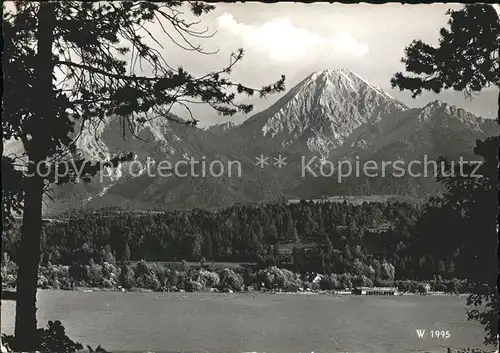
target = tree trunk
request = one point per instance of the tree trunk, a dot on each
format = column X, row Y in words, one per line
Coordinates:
column 27, row 274
column 498, row 103
column 38, row 149
column 498, row 236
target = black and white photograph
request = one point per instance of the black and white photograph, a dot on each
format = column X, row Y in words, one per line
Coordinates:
column 250, row 177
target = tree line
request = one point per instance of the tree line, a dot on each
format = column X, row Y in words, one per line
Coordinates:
column 375, row 240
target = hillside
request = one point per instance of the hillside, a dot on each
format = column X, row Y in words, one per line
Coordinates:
column 331, row 115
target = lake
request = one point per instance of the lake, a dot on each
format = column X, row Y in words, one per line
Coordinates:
column 215, row 322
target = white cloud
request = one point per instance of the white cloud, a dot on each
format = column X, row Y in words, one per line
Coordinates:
column 497, row 9
column 282, row 41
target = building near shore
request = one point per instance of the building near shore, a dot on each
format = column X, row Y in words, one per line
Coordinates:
column 375, row 291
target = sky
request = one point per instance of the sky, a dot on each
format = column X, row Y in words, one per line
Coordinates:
column 297, row 39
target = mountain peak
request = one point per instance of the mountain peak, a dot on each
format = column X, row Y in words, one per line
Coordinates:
column 333, row 71
column 334, row 74
column 345, row 78
column 221, row 128
column 435, row 103
column 441, row 111
column 322, row 110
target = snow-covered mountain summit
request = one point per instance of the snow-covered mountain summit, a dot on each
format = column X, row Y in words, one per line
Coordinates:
column 322, row 110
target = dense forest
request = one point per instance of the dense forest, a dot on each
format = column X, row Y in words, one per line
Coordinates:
column 378, row 240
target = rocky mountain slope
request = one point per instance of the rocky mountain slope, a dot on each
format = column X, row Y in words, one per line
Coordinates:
column 319, row 113
column 412, row 136
column 332, row 115
column 163, row 177
column 437, row 129
column 221, row 129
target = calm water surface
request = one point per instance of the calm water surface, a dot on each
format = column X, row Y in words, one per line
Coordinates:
column 212, row 322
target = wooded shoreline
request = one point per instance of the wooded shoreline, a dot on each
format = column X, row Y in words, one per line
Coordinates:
column 10, row 294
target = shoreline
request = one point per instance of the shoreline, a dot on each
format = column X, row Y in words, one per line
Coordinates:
column 11, row 292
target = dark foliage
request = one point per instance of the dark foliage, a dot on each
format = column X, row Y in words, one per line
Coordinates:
column 371, row 239
column 50, row 339
column 466, row 58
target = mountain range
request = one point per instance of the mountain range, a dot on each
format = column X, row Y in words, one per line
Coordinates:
column 329, row 116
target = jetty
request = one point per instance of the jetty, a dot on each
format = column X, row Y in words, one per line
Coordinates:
column 375, row 291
